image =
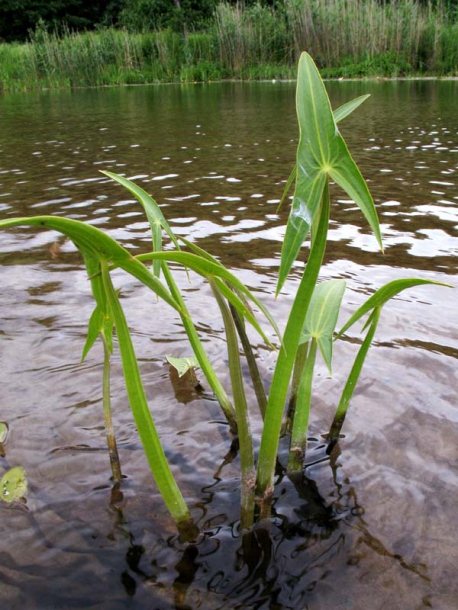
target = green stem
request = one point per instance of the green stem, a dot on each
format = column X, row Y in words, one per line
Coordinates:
column 241, row 409
column 299, row 363
column 352, row 380
column 200, row 353
column 282, row 374
column 258, row 386
column 301, row 417
column 145, row 425
column 111, row 438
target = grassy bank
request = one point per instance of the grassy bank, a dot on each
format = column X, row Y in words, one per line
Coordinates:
column 346, row 37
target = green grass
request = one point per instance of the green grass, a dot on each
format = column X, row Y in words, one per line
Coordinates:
column 347, row 38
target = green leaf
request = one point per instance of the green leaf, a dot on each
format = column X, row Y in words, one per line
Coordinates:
column 146, row 427
column 183, row 365
column 13, row 485
column 100, row 323
column 96, row 246
column 153, row 212
column 384, row 294
column 322, row 316
column 321, row 154
column 211, row 269
column 343, row 111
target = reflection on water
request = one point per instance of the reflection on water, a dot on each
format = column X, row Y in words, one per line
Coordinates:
column 371, row 527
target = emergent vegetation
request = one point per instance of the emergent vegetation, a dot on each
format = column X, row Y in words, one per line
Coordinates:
column 148, row 41
column 322, row 156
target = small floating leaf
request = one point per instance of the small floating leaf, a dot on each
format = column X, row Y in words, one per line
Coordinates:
column 182, row 365
column 13, row 484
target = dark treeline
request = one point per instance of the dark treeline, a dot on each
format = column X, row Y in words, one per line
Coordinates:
column 18, row 18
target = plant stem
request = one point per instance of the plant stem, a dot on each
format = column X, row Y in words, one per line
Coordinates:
column 352, row 380
column 299, row 363
column 241, row 408
column 282, row 374
column 200, row 353
column 301, row 417
column 111, row 438
column 258, row 386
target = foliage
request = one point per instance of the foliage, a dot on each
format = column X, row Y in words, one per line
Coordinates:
column 75, row 43
column 322, row 156
column 18, row 17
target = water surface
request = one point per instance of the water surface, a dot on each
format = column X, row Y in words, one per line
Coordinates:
column 372, row 528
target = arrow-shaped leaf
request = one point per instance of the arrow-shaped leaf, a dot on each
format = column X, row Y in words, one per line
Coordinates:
column 321, row 154
column 183, row 365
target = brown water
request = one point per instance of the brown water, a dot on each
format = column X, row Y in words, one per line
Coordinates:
column 376, row 526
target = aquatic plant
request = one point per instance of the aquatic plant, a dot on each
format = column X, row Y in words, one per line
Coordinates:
column 322, row 157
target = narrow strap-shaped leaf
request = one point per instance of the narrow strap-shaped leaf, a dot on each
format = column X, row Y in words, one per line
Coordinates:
column 352, row 379
column 210, row 270
column 384, row 294
column 246, row 293
column 154, row 213
column 143, row 419
column 96, row 245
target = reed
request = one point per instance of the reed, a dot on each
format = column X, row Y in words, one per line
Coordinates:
column 346, row 37
column 356, row 31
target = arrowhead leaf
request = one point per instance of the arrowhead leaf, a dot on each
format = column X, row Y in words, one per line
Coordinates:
column 321, row 154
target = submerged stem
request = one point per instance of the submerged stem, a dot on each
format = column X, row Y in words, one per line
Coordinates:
column 111, row 438
column 352, row 380
column 241, row 408
column 301, row 417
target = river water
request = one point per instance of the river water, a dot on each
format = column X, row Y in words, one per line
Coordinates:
column 375, row 527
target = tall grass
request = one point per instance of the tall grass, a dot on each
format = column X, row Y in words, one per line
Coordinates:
column 347, row 38
column 343, row 31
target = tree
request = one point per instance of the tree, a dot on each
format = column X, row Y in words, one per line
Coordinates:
column 19, row 17
column 139, row 15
